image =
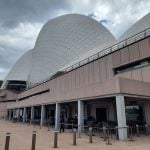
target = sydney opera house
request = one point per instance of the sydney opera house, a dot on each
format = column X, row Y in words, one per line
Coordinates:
column 78, row 67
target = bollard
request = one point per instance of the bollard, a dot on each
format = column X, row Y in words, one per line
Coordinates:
column 108, row 138
column 104, row 133
column 33, row 140
column 55, row 139
column 137, row 130
column 90, row 135
column 79, row 134
column 74, row 137
column 72, row 126
column 131, row 135
column 7, row 141
column 79, row 131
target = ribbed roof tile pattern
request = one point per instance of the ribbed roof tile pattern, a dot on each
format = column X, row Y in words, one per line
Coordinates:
column 139, row 26
column 21, row 70
column 64, row 39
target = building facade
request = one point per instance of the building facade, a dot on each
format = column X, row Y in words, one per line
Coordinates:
column 110, row 86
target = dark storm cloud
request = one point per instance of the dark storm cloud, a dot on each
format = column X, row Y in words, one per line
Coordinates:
column 13, row 12
column 21, row 21
column 8, row 57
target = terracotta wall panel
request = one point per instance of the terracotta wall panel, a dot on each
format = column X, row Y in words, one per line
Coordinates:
column 66, row 83
column 134, row 87
column 134, row 52
column 3, row 109
column 52, row 87
column 146, row 74
column 124, row 55
column 116, row 58
column 86, row 74
column 73, row 80
column 58, row 84
column 137, row 74
column 11, row 95
column 91, row 71
column 127, row 74
column 96, row 71
column 69, row 80
column 63, row 86
column 55, row 86
column 77, row 78
column 103, row 73
column 109, row 66
column 81, row 73
column 144, row 47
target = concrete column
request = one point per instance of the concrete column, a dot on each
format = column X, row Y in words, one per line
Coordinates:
column 42, row 115
column 24, row 114
column 121, row 117
column 32, row 113
column 80, row 115
column 57, row 116
column 147, row 112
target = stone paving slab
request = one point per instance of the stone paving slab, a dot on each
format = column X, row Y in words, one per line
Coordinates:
column 21, row 136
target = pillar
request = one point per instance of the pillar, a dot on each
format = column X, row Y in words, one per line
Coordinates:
column 80, row 115
column 32, row 113
column 147, row 112
column 24, row 114
column 42, row 115
column 121, row 118
column 57, row 116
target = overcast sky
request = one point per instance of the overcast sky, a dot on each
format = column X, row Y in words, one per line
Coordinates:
column 21, row 21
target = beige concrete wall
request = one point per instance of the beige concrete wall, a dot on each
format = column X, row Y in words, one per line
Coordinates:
column 3, row 108
column 147, row 112
column 131, row 53
column 99, row 71
column 6, row 100
column 8, row 95
column 97, row 89
column 95, row 79
column 141, row 74
column 134, row 87
column 88, row 75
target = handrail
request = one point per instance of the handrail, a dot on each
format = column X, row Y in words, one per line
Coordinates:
column 115, row 47
column 141, row 35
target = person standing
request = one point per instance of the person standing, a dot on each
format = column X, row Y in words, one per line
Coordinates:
column 62, row 121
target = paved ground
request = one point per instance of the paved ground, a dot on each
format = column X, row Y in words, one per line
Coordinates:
column 21, row 140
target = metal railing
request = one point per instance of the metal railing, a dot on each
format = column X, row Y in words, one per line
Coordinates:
column 111, row 49
column 139, row 36
column 107, row 134
column 136, row 129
